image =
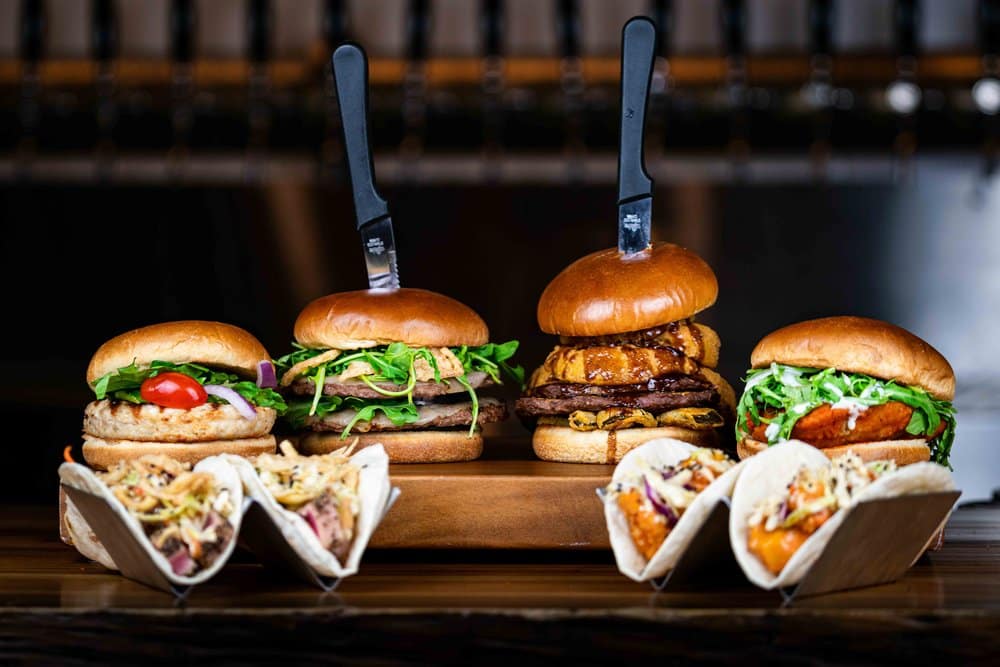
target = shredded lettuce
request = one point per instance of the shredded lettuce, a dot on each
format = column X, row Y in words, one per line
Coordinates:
column 124, row 384
column 394, row 364
column 793, row 392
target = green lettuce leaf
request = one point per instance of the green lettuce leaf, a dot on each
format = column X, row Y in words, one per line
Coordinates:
column 793, row 392
column 124, row 384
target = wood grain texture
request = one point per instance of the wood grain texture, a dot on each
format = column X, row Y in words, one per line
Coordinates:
column 437, row 606
column 496, row 504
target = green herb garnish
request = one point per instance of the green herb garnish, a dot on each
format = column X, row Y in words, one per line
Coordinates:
column 793, row 392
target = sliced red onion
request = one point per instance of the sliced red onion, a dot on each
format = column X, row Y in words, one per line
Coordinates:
column 234, row 399
column 266, row 378
column 670, row 472
column 660, row 506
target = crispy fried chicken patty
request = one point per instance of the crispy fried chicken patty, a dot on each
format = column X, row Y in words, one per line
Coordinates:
column 829, row 427
column 114, row 420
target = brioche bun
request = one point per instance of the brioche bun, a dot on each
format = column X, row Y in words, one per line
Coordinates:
column 368, row 318
column 608, row 293
column 859, row 345
column 903, row 452
column 103, row 453
column 191, row 341
column 430, row 446
column 564, row 444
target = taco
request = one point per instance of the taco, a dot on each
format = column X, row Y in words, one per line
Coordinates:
column 185, row 519
column 791, row 499
column 660, row 495
column 327, row 506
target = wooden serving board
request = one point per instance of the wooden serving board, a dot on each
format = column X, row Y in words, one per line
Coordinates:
column 505, row 500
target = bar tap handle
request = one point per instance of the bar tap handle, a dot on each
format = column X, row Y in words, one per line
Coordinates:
column 986, row 91
column 104, row 48
column 903, row 95
column 259, row 29
column 331, row 159
column 30, row 48
column 183, row 23
column 32, row 27
column 418, row 26
column 491, row 28
column 733, row 21
column 662, row 13
column 818, row 92
column 571, row 83
column 335, row 30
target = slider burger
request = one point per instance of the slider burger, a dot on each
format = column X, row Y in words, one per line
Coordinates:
column 186, row 390
column 849, row 383
column 632, row 364
column 399, row 367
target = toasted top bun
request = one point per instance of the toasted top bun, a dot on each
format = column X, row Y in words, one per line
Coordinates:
column 367, row 318
column 859, row 345
column 196, row 341
column 609, row 293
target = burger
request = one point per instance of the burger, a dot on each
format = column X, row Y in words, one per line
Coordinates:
column 186, row 390
column 401, row 367
column 632, row 364
column 849, row 384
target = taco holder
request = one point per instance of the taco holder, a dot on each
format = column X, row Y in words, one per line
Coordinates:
column 708, row 560
column 132, row 559
column 876, row 544
column 264, row 538
column 258, row 531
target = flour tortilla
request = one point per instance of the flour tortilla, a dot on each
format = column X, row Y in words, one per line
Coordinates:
column 374, row 490
column 659, row 453
column 85, row 540
column 771, row 470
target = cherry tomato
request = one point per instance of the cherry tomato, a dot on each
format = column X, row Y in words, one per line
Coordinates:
column 173, row 390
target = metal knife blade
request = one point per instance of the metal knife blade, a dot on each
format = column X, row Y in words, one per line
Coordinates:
column 634, row 222
column 379, row 247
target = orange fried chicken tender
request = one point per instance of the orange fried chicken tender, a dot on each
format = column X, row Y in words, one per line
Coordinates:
column 647, row 527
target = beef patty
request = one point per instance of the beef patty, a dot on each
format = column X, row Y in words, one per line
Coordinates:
column 531, row 406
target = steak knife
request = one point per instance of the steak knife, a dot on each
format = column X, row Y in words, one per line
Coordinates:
column 350, row 72
column 635, row 187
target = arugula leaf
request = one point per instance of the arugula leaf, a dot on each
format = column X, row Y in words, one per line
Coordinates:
column 393, row 364
column 124, row 383
column 793, row 392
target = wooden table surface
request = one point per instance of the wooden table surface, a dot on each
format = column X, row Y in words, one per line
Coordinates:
column 532, row 606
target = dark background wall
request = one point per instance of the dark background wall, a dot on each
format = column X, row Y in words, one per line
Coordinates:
column 81, row 264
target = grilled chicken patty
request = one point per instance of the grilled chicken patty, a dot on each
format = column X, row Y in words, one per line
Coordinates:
column 827, row 427
column 430, row 415
column 530, row 406
column 421, row 390
column 119, row 420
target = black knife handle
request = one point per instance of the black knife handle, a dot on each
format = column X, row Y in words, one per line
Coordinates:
column 638, row 49
column 989, row 27
column 821, row 27
column 350, row 73
column 183, row 24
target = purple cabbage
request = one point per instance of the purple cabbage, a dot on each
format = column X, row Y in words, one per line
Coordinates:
column 660, row 506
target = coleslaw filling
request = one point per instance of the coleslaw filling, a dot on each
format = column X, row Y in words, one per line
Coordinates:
column 655, row 498
column 322, row 489
column 185, row 514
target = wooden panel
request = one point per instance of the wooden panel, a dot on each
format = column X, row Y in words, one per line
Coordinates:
column 496, row 504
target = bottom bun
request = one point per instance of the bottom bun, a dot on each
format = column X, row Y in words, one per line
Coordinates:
column 402, row 446
column 561, row 443
column 903, row 452
column 102, row 454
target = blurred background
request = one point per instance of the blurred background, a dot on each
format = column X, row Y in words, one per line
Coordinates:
column 167, row 159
